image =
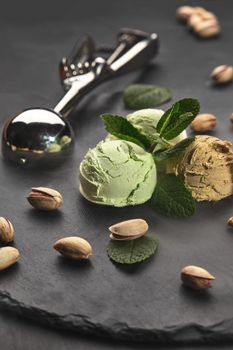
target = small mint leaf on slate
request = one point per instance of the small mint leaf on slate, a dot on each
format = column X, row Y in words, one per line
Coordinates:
column 134, row 251
column 171, row 197
column 174, row 151
column 177, row 118
column 123, row 129
column 138, row 96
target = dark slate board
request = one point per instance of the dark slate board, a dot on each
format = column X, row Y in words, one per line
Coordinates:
column 143, row 302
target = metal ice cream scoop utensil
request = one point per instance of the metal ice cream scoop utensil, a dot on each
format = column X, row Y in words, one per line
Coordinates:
column 40, row 135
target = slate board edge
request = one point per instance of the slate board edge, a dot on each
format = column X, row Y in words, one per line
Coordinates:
column 188, row 333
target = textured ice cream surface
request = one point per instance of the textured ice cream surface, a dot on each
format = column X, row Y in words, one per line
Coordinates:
column 146, row 120
column 117, row 173
column 206, row 166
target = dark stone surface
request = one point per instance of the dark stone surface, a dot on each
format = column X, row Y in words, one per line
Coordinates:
column 144, row 302
column 17, row 333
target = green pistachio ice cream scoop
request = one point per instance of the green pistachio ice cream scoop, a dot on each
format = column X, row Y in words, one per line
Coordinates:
column 117, row 173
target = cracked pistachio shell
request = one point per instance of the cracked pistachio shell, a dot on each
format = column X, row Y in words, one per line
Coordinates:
column 8, row 257
column 76, row 248
column 222, row 74
column 184, row 12
column 6, row 230
column 128, row 230
column 203, row 122
column 194, row 20
column 207, row 29
column 204, row 14
column 230, row 221
column 196, row 277
column 44, row 198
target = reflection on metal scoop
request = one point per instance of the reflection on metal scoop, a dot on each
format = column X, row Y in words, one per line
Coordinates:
column 39, row 135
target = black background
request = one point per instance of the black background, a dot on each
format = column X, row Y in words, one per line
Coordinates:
column 34, row 36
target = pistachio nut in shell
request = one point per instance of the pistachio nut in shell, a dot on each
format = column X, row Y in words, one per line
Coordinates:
column 8, row 257
column 128, row 230
column 203, row 122
column 207, row 29
column 204, row 14
column 222, row 74
column 6, row 230
column 194, row 20
column 230, row 221
column 74, row 247
column 184, row 12
column 44, row 198
column 196, row 277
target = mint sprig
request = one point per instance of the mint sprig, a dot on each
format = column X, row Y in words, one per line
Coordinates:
column 123, row 129
column 171, row 198
column 134, row 251
column 138, row 96
column 177, row 118
column 174, row 151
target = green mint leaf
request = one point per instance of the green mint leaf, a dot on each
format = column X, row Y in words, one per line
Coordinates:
column 174, row 151
column 140, row 96
column 134, row 251
column 171, row 198
column 177, row 126
column 177, row 118
column 123, row 129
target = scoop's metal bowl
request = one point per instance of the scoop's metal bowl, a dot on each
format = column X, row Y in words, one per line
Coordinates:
column 36, row 135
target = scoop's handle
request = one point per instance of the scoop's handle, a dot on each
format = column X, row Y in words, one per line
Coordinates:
column 80, row 87
column 134, row 49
